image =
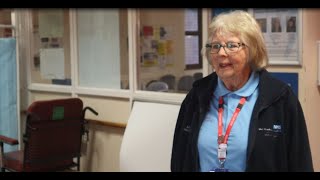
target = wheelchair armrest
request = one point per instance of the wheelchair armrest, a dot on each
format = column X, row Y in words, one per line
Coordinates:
column 7, row 140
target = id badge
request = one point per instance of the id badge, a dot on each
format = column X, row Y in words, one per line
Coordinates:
column 220, row 170
column 222, row 151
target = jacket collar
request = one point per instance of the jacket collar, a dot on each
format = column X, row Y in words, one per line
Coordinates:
column 270, row 89
column 205, row 88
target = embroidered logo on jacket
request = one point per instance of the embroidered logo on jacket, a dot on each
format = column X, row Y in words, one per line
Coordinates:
column 274, row 132
column 277, row 128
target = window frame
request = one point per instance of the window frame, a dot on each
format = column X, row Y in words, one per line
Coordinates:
column 131, row 94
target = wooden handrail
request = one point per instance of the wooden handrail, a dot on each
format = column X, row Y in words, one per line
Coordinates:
column 106, row 123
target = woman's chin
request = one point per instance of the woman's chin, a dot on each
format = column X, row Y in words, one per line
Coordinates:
column 226, row 73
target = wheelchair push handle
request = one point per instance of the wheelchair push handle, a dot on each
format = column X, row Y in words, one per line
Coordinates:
column 90, row 109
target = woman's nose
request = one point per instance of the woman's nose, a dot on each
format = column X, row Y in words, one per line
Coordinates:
column 222, row 51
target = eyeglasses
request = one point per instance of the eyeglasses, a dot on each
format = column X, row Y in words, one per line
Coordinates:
column 229, row 47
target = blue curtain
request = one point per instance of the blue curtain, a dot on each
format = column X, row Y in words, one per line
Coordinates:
column 8, row 90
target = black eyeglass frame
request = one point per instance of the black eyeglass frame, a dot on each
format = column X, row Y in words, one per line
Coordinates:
column 208, row 45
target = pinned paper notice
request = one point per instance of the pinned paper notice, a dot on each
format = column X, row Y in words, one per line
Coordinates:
column 52, row 63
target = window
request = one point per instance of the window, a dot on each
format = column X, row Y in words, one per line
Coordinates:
column 170, row 43
column 5, row 23
column 103, row 48
column 50, row 63
column 193, row 38
column 96, row 43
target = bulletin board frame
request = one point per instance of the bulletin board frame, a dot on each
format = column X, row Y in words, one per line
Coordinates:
column 284, row 45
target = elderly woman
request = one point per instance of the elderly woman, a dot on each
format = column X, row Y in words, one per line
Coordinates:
column 239, row 118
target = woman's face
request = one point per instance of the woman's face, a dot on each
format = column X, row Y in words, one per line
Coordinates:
column 290, row 23
column 228, row 66
column 277, row 24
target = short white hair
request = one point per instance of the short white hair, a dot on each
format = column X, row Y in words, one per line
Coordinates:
column 244, row 26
